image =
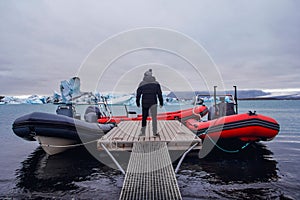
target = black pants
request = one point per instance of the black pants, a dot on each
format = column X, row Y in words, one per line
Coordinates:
column 145, row 114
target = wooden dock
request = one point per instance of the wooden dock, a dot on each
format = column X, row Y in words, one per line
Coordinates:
column 172, row 132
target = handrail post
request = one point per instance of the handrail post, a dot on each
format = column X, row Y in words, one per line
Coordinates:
column 183, row 156
column 215, row 99
column 235, row 99
column 113, row 158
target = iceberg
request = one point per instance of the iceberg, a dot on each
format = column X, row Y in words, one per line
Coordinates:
column 2, row 100
column 12, row 100
column 70, row 93
column 70, row 89
column 34, row 99
column 119, row 99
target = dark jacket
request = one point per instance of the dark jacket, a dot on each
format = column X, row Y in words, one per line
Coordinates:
column 150, row 90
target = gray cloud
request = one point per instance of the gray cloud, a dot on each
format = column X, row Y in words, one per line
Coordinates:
column 255, row 44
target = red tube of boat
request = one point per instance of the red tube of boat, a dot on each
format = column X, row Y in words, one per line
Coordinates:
column 246, row 127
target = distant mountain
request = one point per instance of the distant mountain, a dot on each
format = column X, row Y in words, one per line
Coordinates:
column 290, row 94
column 245, row 94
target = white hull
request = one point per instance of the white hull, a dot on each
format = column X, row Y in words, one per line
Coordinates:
column 53, row 145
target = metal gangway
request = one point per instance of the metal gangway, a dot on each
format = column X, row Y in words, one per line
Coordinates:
column 150, row 173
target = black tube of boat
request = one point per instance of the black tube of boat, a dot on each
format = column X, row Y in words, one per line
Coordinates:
column 235, row 99
column 215, row 99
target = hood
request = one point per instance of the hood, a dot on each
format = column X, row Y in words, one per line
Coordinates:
column 147, row 80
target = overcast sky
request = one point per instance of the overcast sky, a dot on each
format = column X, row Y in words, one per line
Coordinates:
column 254, row 44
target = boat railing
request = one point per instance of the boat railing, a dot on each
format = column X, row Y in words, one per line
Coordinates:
column 219, row 100
column 104, row 108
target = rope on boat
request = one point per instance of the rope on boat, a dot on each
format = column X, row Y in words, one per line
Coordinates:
column 66, row 146
column 225, row 150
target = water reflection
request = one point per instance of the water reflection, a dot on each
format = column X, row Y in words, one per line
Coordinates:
column 61, row 174
column 246, row 174
column 76, row 173
column 253, row 164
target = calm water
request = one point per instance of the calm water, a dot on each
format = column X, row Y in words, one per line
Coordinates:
column 268, row 170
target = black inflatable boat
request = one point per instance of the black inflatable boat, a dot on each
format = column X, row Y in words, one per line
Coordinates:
column 59, row 132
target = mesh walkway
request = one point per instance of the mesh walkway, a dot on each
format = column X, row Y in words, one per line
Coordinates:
column 150, row 174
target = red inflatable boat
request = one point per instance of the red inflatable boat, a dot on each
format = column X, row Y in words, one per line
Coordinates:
column 182, row 115
column 245, row 127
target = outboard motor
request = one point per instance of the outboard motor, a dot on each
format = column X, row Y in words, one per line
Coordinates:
column 66, row 110
column 92, row 114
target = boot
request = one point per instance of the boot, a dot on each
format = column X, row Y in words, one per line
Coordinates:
column 155, row 134
column 142, row 132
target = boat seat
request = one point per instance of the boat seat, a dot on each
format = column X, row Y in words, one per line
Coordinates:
column 225, row 109
column 211, row 112
column 66, row 110
column 230, row 109
column 91, row 117
column 92, row 114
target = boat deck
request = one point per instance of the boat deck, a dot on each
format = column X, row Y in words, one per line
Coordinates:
column 172, row 132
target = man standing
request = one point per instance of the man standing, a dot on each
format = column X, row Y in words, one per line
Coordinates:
column 150, row 90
